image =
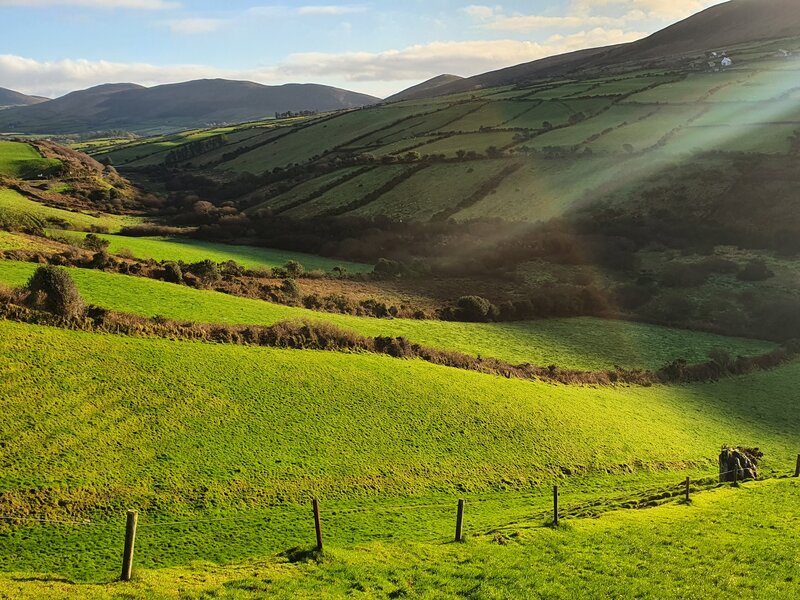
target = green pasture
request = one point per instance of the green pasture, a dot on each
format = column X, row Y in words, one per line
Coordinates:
column 546, row 188
column 433, row 189
column 188, row 431
column 476, row 142
column 18, row 211
column 301, row 191
column 575, row 135
column 695, row 88
column 23, row 161
column 552, row 111
column 492, row 114
column 762, row 86
column 645, row 133
column 696, row 553
column 762, row 138
column 317, row 138
column 428, row 119
column 352, row 190
column 583, row 343
column 190, row 250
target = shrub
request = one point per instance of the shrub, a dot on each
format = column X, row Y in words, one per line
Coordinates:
column 52, row 289
column 294, row 269
column 290, row 288
column 206, row 270
column 475, row 309
column 95, row 243
column 172, row 273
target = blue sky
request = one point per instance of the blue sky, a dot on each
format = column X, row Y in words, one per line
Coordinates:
column 370, row 46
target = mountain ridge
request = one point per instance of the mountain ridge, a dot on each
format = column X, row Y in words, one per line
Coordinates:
column 14, row 98
column 727, row 24
column 188, row 104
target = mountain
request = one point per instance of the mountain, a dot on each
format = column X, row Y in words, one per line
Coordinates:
column 190, row 104
column 426, row 87
column 718, row 27
column 12, row 98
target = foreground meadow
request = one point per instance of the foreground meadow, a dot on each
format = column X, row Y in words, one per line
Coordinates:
column 220, row 447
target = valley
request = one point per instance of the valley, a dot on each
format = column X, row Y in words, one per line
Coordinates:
column 221, row 300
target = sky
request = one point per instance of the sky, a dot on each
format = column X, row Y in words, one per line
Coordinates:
column 52, row 47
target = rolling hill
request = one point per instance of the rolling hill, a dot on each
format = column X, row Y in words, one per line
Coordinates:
column 721, row 26
column 174, row 106
column 12, row 98
column 426, row 88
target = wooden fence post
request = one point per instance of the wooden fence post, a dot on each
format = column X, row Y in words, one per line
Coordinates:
column 317, row 524
column 130, row 541
column 797, row 468
column 688, row 489
column 736, row 474
column 460, row 522
column 555, row 505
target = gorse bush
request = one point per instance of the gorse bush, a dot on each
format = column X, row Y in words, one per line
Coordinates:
column 52, row 289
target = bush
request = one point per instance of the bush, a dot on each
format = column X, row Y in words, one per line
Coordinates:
column 172, row 273
column 206, row 270
column 95, row 243
column 290, row 288
column 294, row 269
column 52, row 289
column 475, row 309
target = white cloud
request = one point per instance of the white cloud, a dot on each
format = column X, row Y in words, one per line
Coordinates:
column 329, row 10
column 103, row 4
column 479, row 11
column 425, row 61
column 372, row 70
column 590, row 13
column 534, row 22
column 655, row 9
column 194, row 26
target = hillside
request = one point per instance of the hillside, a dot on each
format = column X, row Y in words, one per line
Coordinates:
column 728, row 24
column 174, row 106
column 424, row 89
column 12, row 98
column 520, row 153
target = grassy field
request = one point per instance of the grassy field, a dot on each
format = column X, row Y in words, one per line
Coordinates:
column 187, row 430
column 576, row 343
column 190, row 250
column 16, row 241
column 23, row 161
column 697, row 553
column 431, row 190
column 16, row 209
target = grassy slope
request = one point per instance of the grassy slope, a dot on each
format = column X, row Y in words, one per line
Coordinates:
column 189, row 251
column 697, row 552
column 577, row 343
column 18, row 159
column 18, row 209
column 140, row 415
column 174, row 428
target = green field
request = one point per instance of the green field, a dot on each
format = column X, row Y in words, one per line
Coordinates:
column 571, row 343
column 18, row 211
column 348, row 192
column 189, row 251
column 431, row 190
column 698, row 556
column 23, row 161
column 189, row 430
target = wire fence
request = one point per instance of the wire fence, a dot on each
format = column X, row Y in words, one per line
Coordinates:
column 537, row 516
